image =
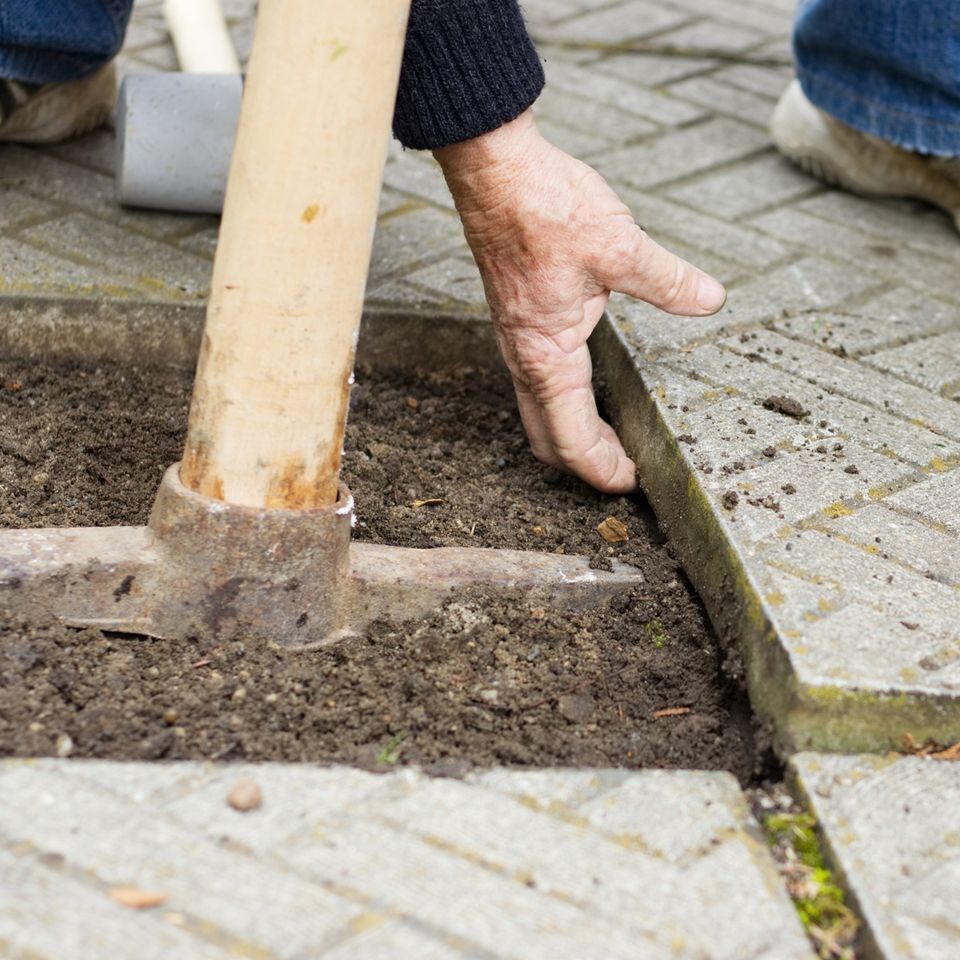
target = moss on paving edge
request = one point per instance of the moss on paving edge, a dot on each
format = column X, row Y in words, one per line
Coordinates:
column 800, row 717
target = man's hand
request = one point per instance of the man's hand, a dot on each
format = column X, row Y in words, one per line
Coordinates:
column 552, row 240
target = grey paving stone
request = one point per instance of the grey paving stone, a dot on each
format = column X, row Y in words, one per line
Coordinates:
column 910, row 267
column 17, row 209
column 46, row 915
column 615, row 92
column 766, row 81
column 682, row 153
column 759, row 16
column 886, row 320
column 455, row 279
column 820, row 482
column 418, row 175
column 937, row 499
column 914, row 618
column 379, row 937
column 711, row 35
column 802, row 285
column 725, row 100
column 592, row 116
column 157, row 271
column 933, row 363
column 891, row 222
column 889, row 533
column 651, row 69
column 43, row 175
column 541, row 12
column 744, row 189
column 853, row 379
column 577, row 143
column 31, row 271
column 119, row 842
column 343, row 863
column 404, row 242
column 843, row 419
column 616, row 23
column 890, row 827
column 710, row 234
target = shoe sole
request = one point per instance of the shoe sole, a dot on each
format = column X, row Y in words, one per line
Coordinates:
column 73, row 109
column 831, row 152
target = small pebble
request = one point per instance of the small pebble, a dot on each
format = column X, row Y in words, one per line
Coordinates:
column 552, row 475
column 64, row 745
column 850, row 468
column 171, row 716
column 245, row 796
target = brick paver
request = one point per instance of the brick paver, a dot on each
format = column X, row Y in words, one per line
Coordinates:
column 889, row 826
column 341, row 863
column 836, row 569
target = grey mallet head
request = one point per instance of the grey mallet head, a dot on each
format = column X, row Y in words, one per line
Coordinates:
column 175, row 136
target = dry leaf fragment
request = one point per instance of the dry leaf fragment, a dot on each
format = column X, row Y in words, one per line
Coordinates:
column 245, row 795
column 613, row 530
column 429, row 502
column 136, row 899
column 931, row 749
column 670, row 712
column 950, row 753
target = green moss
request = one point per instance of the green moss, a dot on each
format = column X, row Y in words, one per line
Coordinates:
column 816, row 896
column 390, row 752
column 655, row 633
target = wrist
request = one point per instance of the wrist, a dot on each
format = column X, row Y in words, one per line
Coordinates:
column 497, row 156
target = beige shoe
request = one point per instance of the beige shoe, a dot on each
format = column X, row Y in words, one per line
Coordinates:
column 830, row 150
column 56, row 111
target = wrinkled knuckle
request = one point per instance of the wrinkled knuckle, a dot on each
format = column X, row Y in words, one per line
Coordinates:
column 674, row 288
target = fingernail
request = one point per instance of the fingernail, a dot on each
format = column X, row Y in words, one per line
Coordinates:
column 710, row 295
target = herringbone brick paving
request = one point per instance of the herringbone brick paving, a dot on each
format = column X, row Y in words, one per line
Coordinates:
column 851, row 307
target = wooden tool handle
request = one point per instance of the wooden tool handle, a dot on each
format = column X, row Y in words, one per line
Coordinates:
column 270, row 400
column 200, row 36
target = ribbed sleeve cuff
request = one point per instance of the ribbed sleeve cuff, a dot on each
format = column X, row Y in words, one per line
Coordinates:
column 469, row 66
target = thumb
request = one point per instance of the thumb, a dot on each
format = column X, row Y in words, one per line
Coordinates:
column 641, row 268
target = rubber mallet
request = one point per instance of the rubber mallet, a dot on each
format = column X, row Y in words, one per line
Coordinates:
column 176, row 131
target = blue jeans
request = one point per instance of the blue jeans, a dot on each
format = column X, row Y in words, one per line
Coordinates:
column 46, row 41
column 887, row 67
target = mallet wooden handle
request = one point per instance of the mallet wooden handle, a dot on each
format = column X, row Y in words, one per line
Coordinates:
column 270, row 401
column 200, row 36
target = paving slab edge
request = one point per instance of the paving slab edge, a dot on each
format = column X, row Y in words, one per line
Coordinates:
column 867, row 942
column 151, row 333
column 799, row 716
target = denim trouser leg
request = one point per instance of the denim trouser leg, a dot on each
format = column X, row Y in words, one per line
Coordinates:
column 887, row 67
column 44, row 41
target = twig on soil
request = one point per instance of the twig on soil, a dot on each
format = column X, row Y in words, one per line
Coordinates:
column 670, row 712
column 931, row 749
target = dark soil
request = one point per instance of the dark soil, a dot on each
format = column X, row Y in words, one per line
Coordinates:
column 482, row 682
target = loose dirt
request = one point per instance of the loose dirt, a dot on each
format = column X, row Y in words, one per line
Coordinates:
column 431, row 462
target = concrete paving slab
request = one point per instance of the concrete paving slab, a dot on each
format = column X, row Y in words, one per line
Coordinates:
column 338, row 863
column 890, row 829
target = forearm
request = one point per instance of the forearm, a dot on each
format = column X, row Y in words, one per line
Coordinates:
column 469, row 66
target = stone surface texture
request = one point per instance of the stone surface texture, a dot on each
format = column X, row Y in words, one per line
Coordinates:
column 836, row 568
column 890, row 827
column 341, row 863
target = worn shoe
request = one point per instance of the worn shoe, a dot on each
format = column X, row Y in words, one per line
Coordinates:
column 840, row 155
column 56, row 111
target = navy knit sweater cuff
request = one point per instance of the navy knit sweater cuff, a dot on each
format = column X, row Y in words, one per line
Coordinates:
column 469, row 66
